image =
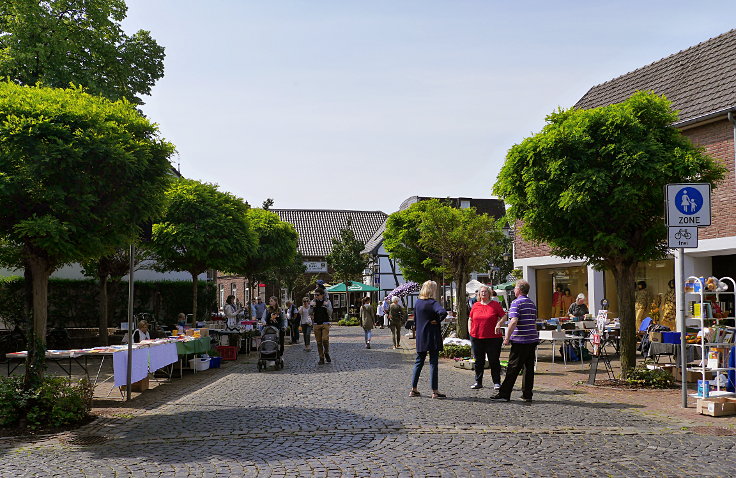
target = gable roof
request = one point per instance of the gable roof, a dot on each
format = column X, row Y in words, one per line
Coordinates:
column 317, row 227
column 698, row 81
column 372, row 245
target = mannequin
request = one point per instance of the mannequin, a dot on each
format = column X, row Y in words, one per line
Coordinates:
column 556, row 309
column 566, row 301
column 669, row 309
column 642, row 303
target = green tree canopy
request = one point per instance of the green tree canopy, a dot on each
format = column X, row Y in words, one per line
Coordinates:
column 444, row 241
column 346, row 258
column 60, row 42
column 203, row 228
column 401, row 241
column 604, row 169
column 77, row 174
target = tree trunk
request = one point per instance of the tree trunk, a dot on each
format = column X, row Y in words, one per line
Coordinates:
column 40, row 272
column 462, row 304
column 624, row 274
column 194, row 298
column 103, row 307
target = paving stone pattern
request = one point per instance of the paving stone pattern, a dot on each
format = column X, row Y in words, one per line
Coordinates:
column 353, row 418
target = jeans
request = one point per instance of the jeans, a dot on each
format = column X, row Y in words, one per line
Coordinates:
column 433, row 369
column 322, row 337
column 367, row 334
column 492, row 349
column 294, row 332
column 522, row 355
column 396, row 332
column 306, row 332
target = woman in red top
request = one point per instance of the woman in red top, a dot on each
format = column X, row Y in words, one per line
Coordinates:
column 486, row 318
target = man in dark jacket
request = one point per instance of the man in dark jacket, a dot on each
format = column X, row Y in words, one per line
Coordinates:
column 320, row 310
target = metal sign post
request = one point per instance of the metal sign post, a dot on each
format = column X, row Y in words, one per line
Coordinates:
column 687, row 208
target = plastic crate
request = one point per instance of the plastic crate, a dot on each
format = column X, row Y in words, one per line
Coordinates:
column 199, row 364
column 228, row 352
column 215, row 362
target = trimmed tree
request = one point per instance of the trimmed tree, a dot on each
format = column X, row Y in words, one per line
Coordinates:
column 346, row 258
column 276, row 242
column 77, row 173
column 58, row 43
column 203, row 228
column 436, row 239
column 401, row 240
column 465, row 241
column 605, row 169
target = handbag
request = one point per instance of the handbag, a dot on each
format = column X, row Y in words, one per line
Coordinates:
column 409, row 324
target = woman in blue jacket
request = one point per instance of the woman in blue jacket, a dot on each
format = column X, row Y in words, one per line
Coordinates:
column 428, row 314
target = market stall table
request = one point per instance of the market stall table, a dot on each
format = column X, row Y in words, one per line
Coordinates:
column 56, row 356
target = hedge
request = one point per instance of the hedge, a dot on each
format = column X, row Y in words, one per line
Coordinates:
column 74, row 303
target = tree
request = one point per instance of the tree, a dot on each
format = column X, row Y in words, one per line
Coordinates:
column 439, row 240
column 110, row 268
column 465, row 241
column 604, row 169
column 401, row 240
column 203, row 228
column 291, row 275
column 77, row 174
column 276, row 242
column 346, row 258
column 80, row 42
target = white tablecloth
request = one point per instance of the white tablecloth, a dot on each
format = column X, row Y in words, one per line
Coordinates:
column 145, row 360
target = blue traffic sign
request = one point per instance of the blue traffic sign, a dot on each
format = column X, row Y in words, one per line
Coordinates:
column 688, row 201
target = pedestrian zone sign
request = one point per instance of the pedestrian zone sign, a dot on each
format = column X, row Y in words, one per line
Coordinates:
column 688, row 205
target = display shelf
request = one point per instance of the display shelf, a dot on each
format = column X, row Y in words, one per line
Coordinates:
column 701, row 292
column 713, row 394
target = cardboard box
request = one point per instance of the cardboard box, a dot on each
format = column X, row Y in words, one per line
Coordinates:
column 204, row 332
column 655, row 336
column 691, row 376
column 716, row 407
column 138, row 387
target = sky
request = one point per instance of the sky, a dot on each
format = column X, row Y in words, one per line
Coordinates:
column 327, row 104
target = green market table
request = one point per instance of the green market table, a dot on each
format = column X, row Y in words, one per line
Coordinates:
column 191, row 347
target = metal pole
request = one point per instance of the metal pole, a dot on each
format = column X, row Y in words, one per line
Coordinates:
column 681, row 326
column 129, row 372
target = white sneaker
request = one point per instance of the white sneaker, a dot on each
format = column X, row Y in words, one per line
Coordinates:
column 496, row 386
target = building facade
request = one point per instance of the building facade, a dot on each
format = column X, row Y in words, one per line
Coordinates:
column 699, row 83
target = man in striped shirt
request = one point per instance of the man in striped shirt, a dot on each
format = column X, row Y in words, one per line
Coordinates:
column 523, row 336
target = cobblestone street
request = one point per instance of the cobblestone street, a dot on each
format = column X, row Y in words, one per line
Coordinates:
column 353, row 418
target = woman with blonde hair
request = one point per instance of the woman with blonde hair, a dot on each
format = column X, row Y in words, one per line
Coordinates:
column 428, row 314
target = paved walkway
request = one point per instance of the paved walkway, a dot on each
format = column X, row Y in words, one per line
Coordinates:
column 353, row 418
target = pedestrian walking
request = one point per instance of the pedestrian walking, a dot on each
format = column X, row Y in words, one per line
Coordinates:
column 486, row 318
column 386, row 307
column 522, row 334
column 305, row 322
column 367, row 315
column 260, row 308
column 396, row 321
column 320, row 310
column 380, row 313
column 292, row 318
column 428, row 314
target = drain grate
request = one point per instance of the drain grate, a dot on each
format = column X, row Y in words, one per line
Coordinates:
column 86, row 440
column 714, row 431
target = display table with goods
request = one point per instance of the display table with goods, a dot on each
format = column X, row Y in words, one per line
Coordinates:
column 63, row 358
column 715, row 341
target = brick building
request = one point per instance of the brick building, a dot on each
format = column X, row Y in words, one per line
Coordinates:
column 699, row 83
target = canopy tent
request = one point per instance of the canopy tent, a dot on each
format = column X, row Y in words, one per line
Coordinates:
column 353, row 287
column 504, row 287
column 472, row 287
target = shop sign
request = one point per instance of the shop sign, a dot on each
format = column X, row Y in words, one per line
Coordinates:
column 685, row 237
column 688, row 205
column 315, row 267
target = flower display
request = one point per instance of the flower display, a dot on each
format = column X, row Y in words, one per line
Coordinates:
column 404, row 289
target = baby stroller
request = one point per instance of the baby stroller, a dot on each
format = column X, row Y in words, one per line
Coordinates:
column 269, row 348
